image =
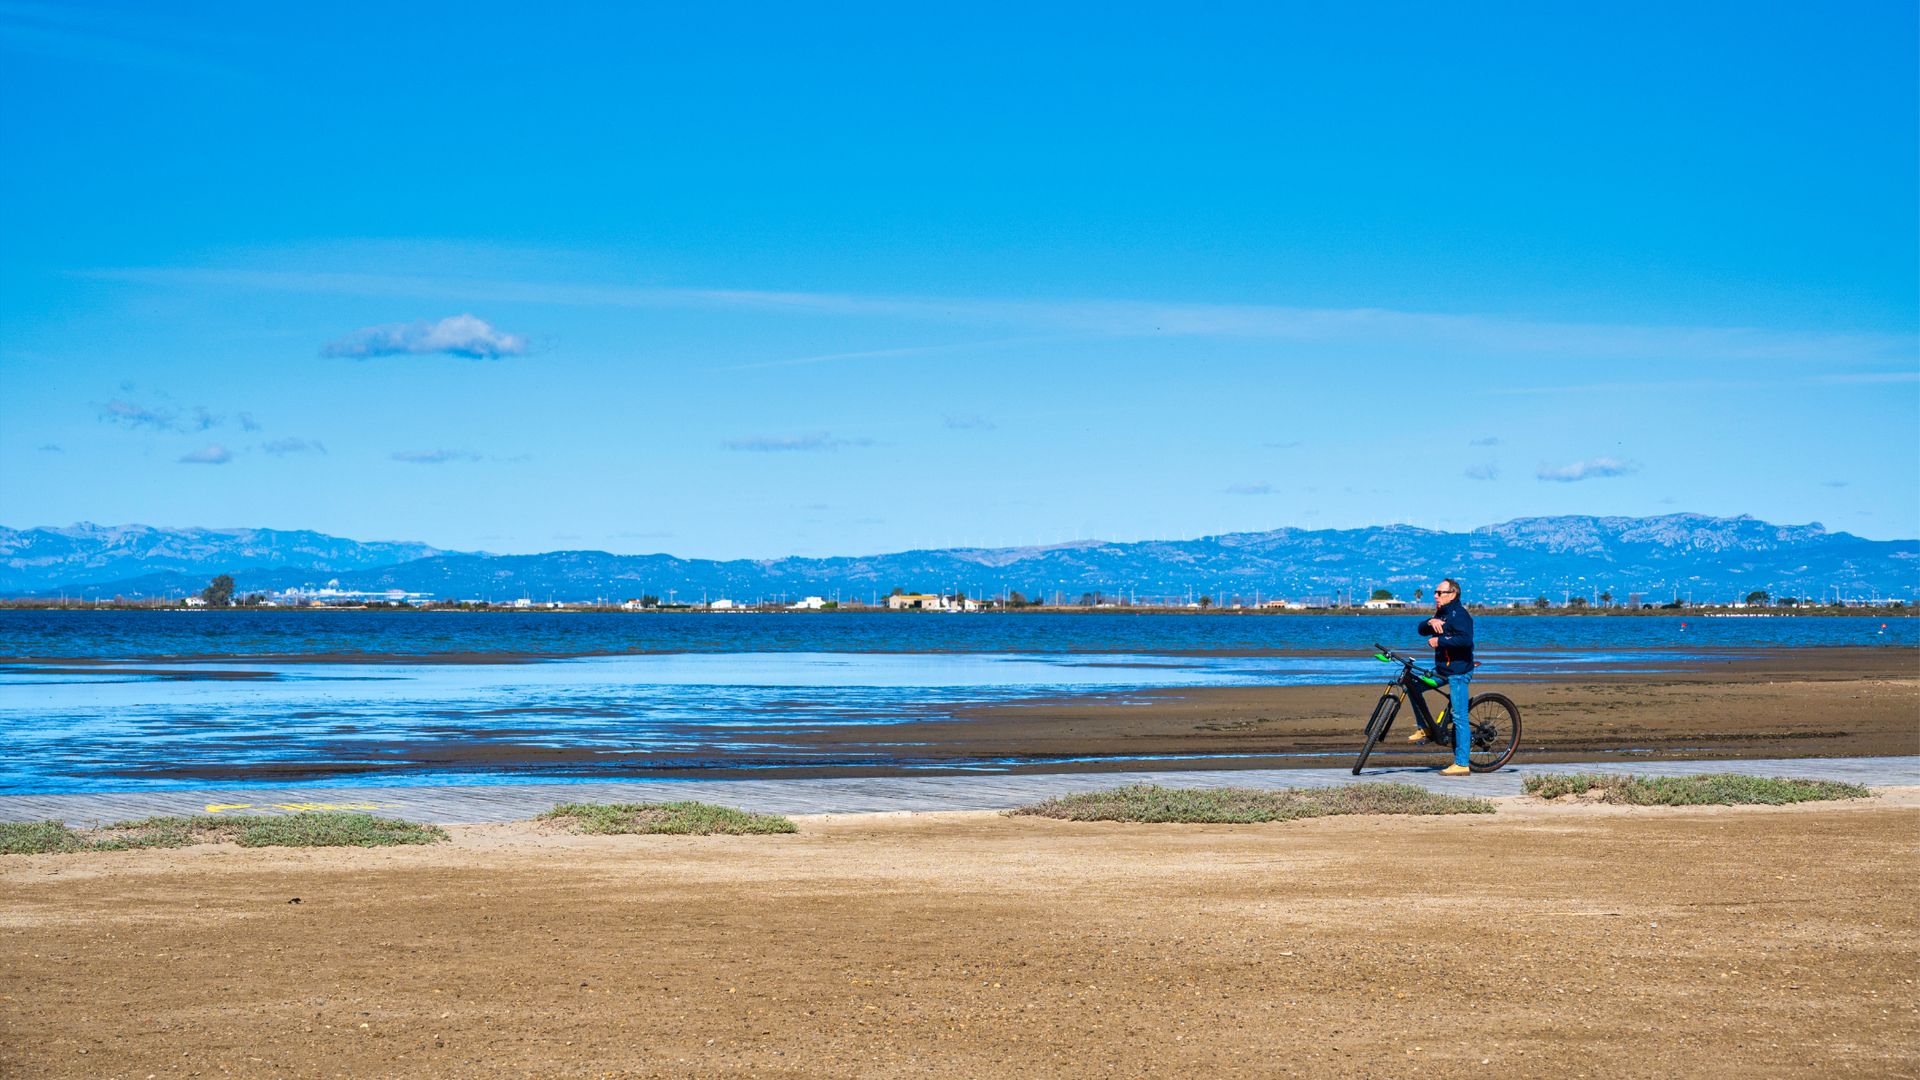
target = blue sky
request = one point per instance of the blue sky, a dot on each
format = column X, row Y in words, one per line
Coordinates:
column 756, row 280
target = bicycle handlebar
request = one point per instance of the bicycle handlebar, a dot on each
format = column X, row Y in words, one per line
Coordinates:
column 1388, row 656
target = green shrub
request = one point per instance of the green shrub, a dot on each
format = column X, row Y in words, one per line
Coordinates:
column 37, row 838
column 1152, row 803
column 674, row 818
column 331, row 829
column 1717, row 789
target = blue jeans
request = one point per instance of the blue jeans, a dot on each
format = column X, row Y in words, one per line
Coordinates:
column 1462, row 734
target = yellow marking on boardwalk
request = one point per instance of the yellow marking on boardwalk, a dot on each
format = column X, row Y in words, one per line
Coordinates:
column 216, row 807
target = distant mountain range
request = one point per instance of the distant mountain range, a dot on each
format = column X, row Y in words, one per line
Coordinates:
column 1658, row 557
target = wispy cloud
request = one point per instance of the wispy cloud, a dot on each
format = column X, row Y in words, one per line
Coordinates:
column 51, row 448
column 1833, row 483
column 73, row 33
column 434, row 457
column 1262, row 488
column 214, row 454
column 457, row 335
column 135, row 415
column 1292, row 444
column 969, row 422
column 778, row 444
column 1857, row 378
column 280, row 447
column 1370, row 326
column 1845, row 378
column 1488, row 471
column 905, row 351
column 1491, row 440
column 1594, row 469
column 248, row 423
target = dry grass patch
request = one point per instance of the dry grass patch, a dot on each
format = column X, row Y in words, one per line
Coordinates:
column 1224, row 806
column 331, row 829
column 670, row 818
column 1717, row 789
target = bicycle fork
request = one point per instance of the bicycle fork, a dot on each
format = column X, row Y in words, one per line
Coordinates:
column 1383, row 714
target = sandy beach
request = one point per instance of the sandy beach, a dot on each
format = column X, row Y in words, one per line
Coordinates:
column 1564, row 939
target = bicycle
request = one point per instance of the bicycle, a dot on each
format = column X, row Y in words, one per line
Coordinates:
column 1493, row 720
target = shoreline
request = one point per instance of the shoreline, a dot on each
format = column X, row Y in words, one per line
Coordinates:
column 1731, row 705
column 1702, row 610
column 90, row 664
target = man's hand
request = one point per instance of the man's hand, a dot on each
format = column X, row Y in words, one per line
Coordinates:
column 1433, row 643
column 1439, row 627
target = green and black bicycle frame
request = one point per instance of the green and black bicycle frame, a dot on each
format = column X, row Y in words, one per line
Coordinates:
column 1412, row 685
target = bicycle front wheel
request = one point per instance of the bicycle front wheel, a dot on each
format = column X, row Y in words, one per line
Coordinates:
column 1377, row 725
column 1494, row 722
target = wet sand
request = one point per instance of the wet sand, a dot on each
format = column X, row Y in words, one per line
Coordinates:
column 1543, row 940
column 1781, row 703
column 1730, row 704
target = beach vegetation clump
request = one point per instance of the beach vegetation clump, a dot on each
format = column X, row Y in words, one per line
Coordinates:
column 1716, row 789
column 1156, row 804
column 37, row 838
column 669, row 818
column 319, row 829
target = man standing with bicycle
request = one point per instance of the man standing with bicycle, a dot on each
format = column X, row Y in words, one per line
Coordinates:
column 1450, row 633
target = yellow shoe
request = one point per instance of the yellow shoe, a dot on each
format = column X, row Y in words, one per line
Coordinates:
column 1417, row 736
column 1456, row 770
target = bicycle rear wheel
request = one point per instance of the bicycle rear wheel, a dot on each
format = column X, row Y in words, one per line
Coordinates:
column 1377, row 725
column 1495, row 725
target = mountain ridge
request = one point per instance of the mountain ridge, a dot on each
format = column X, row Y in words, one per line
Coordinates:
column 1678, row 553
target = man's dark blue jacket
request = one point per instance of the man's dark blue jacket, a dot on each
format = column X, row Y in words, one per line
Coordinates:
column 1454, row 654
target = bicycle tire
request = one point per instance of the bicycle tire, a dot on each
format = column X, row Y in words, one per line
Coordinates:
column 1377, row 725
column 1500, row 736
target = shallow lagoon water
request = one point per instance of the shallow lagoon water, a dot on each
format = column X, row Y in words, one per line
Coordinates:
column 115, row 727
column 182, row 634
column 732, row 697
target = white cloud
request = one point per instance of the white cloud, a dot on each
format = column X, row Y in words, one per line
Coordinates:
column 433, row 457
column 776, row 444
column 213, row 454
column 1588, row 470
column 293, row 446
column 1122, row 318
column 457, row 335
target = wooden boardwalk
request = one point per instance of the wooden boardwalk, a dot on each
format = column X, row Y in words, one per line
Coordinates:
column 473, row 804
